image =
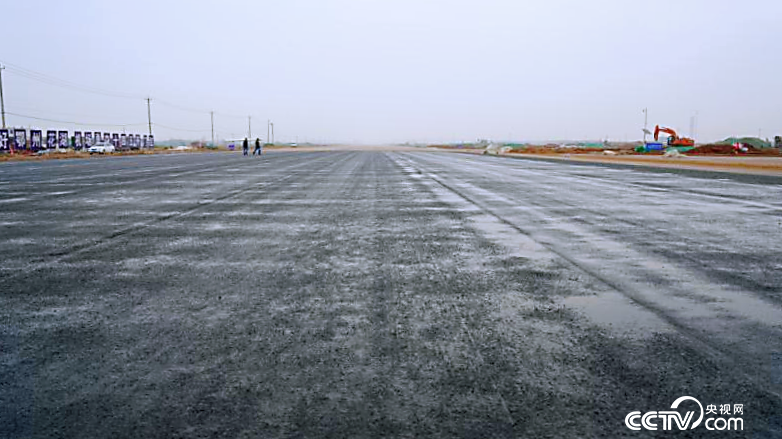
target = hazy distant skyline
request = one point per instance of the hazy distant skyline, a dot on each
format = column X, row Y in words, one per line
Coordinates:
column 400, row 71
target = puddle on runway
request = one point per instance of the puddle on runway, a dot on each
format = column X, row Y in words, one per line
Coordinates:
column 615, row 311
column 598, row 303
column 606, row 307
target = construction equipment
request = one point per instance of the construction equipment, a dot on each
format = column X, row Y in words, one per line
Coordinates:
column 673, row 139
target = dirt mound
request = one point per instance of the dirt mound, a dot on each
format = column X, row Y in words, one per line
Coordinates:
column 713, row 148
column 723, row 149
column 555, row 149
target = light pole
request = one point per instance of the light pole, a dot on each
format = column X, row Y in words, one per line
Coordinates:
column 149, row 116
column 2, row 102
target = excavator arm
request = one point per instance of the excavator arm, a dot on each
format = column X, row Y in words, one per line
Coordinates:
column 658, row 130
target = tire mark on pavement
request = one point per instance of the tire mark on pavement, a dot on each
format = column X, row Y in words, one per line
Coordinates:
column 128, row 177
column 547, row 196
column 61, row 255
column 474, row 346
column 699, row 340
column 609, row 183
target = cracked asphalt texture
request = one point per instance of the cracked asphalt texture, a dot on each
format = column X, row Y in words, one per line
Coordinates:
column 394, row 294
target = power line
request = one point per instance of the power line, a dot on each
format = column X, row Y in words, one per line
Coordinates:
column 104, row 124
column 196, row 110
column 235, row 116
column 76, row 123
column 179, row 107
column 59, row 113
column 180, row 129
column 25, row 116
column 51, row 80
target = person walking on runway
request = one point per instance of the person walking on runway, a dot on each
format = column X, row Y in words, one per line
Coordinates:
column 245, row 147
column 257, row 147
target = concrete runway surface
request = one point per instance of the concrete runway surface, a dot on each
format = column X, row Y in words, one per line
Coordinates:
column 392, row 293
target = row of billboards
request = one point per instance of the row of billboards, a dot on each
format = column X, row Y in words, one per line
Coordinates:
column 17, row 140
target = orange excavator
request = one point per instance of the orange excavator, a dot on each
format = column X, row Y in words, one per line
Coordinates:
column 673, row 139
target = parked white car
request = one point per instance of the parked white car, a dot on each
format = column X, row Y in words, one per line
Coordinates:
column 101, row 148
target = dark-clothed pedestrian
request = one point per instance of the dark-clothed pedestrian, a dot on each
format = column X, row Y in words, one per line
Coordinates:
column 245, row 147
column 257, row 146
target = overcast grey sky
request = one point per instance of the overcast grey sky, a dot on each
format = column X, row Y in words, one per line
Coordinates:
column 402, row 70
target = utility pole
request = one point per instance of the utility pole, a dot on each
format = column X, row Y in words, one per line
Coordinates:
column 149, row 116
column 2, row 101
column 268, row 124
column 646, row 122
column 249, row 127
column 272, row 133
column 212, row 113
column 692, row 126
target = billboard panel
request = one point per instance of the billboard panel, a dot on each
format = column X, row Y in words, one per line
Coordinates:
column 51, row 139
column 107, row 137
column 138, row 141
column 97, row 137
column 115, row 140
column 5, row 144
column 87, row 139
column 36, row 140
column 62, row 139
column 77, row 141
column 20, row 139
column 151, row 141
